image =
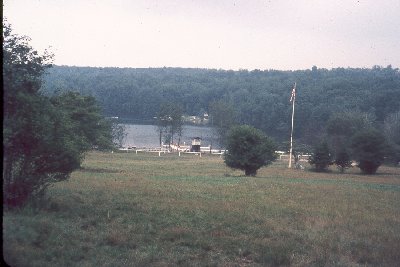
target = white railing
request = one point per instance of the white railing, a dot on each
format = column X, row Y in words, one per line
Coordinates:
column 174, row 148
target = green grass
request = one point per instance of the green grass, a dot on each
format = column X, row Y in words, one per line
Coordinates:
column 124, row 209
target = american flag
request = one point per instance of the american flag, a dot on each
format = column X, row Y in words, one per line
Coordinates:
column 293, row 96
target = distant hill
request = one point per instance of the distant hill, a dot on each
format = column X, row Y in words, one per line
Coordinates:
column 260, row 98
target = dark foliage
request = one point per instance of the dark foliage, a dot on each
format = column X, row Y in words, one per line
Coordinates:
column 169, row 122
column 342, row 159
column 369, row 149
column 85, row 120
column 260, row 98
column 222, row 119
column 43, row 139
column 321, row 158
column 391, row 129
column 248, row 149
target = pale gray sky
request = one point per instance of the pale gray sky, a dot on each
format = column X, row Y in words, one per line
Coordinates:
column 226, row 34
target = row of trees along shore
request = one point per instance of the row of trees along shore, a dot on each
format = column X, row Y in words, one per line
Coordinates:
column 259, row 98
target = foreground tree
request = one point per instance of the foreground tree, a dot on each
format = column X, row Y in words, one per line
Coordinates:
column 26, row 115
column 369, row 148
column 43, row 140
column 321, row 158
column 248, row 149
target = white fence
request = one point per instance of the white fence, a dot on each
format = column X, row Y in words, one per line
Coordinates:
column 285, row 157
column 173, row 149
column 203, row 150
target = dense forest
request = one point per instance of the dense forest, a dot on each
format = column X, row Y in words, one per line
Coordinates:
column 259, row 98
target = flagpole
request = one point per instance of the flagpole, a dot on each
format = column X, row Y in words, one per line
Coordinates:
column 291, row 134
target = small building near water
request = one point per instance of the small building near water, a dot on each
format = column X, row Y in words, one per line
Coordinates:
column 196, row 143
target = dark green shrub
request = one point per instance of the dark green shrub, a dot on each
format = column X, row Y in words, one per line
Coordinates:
column 248, row 149
column 369, row 148
column 342, row 159
column 321, row 158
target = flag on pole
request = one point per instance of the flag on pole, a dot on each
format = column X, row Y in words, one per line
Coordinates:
column 292, row 99
column 293, row 96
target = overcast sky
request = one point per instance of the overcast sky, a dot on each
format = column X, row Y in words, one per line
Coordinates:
column 221, row 34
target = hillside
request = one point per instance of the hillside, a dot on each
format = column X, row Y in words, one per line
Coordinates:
column 260, row 98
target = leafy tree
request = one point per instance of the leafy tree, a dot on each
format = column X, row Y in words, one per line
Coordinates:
column 26, row 119
column 248, row 149
column 43, row 139
column 347, row 123
column 222, row 119
column 170, row 121
column 118, row 134
column 342, row 126
column 392, row 127
column 342, row 159
column 393, row 154
column 321, row 157
column 369, row 148
column 90, row 128
column 392, row 133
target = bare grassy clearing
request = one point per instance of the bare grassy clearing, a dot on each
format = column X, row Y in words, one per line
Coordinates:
column 144, row 210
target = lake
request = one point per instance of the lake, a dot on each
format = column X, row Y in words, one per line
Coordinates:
column 147, row 135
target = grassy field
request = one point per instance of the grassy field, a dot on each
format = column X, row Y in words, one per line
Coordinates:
column 124, row 209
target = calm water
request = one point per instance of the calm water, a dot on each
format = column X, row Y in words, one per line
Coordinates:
column 147, row 135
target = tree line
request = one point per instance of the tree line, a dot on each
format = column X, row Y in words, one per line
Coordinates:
column 259, row 98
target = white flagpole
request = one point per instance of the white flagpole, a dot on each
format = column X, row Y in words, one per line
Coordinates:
column 293, row 98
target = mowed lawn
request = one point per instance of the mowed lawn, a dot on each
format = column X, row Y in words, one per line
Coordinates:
column 124, row 209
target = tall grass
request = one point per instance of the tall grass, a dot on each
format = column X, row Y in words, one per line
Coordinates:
column 144, row 210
